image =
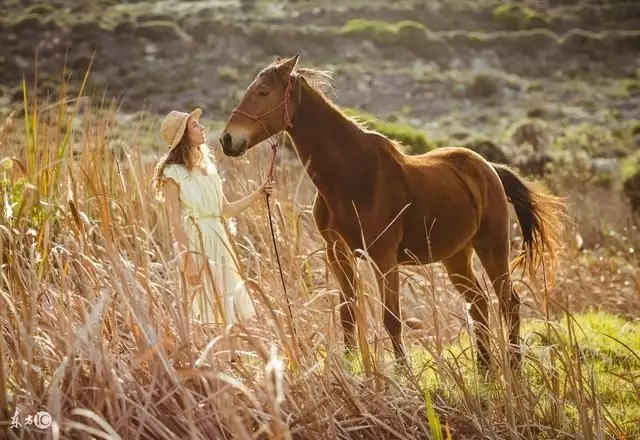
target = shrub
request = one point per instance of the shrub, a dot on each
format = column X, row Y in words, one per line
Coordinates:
column 519, row 17
column 414, row 140
column 228, row 73
column 483, row 86
column 43, row 9
column 407, row 34
column 530, row 131
column 486, row 148
column 536, row 164
column 383, row 31
column 594, row 140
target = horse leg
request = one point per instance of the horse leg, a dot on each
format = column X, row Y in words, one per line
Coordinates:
column 496, row 262
column 342, row 266
column 460, row 271
column 389, row 285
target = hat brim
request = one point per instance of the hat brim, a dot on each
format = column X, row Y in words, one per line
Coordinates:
column 196, row 113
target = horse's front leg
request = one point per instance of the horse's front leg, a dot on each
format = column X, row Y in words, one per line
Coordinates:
column 342, row 267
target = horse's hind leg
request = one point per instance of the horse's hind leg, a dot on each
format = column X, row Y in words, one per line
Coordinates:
column 460, row 271
column 389, row 285
column 496, row 262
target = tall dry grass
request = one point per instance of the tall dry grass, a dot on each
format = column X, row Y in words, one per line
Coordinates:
column 95, row 329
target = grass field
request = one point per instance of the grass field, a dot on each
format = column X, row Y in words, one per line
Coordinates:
column 94, row 327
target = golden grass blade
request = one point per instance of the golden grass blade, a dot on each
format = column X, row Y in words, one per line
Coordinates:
column 109, row 433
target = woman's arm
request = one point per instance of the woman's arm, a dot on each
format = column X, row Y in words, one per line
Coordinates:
column 231, row 209
column 171, row 196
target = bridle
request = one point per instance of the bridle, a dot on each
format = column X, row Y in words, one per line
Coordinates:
column 287, row 114
column 274, row 149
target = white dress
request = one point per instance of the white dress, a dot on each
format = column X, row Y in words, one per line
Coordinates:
column 201, row 200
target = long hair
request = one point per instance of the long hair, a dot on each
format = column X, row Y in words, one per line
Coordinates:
column 182, row 154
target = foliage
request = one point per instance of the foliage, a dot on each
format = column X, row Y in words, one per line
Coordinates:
column 596, row 141
column 383, row 31
column 518, row 17
column 487, row 148
column 531, row 131
column 415, row 141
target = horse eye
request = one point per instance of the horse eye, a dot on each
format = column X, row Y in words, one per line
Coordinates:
column 263, row 93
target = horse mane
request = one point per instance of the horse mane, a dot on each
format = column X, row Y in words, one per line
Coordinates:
column 319, row 79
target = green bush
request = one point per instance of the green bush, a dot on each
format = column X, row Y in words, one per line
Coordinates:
column 21, row 200
column 407, row 34
column 412, row 139
column 486, row 148
column 531, row 131
column 384, row 31
column 519, row 17
column 594, row 140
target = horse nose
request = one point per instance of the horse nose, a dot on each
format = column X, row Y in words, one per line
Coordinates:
column 225, row 140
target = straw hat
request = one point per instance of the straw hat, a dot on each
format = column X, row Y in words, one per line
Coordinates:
column 174, row 125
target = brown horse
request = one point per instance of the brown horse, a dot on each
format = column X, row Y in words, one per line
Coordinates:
column 420, row 209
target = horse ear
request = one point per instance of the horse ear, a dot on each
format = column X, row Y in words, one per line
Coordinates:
column 290, row 63
column 278, row 59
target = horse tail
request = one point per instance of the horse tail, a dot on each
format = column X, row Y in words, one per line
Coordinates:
column 541, row 216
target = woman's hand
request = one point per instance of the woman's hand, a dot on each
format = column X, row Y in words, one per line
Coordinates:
column 191, row 271
column 267, row 186
column 231, row 209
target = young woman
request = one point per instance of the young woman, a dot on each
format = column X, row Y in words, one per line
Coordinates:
column 187, row 181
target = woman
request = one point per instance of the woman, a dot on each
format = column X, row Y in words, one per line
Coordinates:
column 188, row 182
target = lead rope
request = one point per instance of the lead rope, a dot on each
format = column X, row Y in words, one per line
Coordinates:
column 274, row 148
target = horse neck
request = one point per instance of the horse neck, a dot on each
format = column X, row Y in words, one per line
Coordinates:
column 329, row 145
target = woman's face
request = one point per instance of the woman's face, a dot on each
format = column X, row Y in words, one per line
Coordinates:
column 195, row 132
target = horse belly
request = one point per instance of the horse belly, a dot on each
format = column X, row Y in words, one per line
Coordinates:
column 435, row 238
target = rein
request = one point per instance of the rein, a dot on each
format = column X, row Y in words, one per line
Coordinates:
column 274, row 149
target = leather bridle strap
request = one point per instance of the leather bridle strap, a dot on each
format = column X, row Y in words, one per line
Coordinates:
column 284, row 102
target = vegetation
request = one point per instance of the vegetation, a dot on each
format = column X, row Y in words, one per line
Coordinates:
column 518, row 16
column 383, row 31
column 595, row 141
column 414, row 141
column 487, row 148
column 532, row 132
